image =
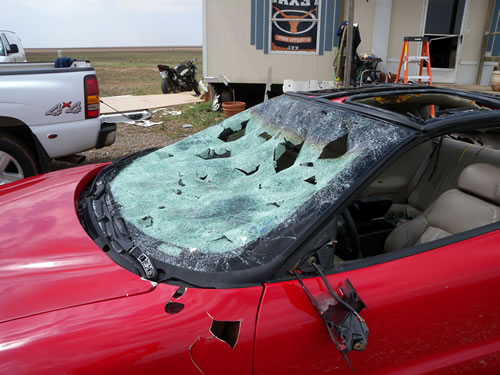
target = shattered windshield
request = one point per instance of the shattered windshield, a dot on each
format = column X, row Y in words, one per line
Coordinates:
column 235, row 195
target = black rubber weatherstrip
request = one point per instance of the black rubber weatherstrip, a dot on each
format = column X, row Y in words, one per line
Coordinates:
column 368, row 111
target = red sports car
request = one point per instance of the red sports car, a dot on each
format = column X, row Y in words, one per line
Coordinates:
column 314, row 233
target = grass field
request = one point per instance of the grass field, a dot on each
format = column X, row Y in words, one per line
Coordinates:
column 133, row 71
column 130, row 71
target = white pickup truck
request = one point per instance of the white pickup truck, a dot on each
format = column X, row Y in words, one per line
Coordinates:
column 48, row 113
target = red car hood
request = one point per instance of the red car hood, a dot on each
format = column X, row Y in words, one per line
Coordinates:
column 47, row 260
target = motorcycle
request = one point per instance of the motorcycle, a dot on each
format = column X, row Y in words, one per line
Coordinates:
column 179, row 78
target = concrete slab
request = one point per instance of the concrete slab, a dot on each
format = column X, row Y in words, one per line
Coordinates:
column 125, row 103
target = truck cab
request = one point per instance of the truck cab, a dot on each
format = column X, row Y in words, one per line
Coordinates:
column 11, row 48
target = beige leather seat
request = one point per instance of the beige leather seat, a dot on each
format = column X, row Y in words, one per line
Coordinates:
column 475, row 203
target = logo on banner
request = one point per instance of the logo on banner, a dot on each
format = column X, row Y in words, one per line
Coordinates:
column 294, row 25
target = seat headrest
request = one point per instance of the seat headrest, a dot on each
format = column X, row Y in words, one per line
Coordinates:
column 482, row 181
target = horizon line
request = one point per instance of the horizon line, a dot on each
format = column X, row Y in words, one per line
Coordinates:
column 111, row 47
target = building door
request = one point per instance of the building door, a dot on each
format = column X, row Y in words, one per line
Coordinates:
column 444, row 22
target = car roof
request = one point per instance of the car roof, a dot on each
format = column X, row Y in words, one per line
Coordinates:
column 352, row 98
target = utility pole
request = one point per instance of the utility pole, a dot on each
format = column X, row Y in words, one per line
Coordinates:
column 348, row 59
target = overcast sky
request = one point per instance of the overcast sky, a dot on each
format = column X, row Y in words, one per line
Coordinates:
column 103, row 23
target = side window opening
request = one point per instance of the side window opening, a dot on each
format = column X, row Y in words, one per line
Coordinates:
column 441, row 187
column 3, row 50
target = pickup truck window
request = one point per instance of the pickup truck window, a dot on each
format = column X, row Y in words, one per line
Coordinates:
column 11, row 39
column 2, row 49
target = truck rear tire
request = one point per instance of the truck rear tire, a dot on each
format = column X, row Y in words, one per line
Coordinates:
column 16, row 160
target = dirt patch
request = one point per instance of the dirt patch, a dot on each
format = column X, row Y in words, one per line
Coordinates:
column 133, row 138
column 130, row 139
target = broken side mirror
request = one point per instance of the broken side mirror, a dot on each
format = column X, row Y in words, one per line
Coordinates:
column 346, row 328
column 13, row 48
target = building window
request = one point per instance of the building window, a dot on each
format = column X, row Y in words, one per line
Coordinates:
column 494, row 41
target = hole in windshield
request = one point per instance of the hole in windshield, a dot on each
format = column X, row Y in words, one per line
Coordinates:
column 311, row 180
column 212, row 154
column 285, row 155
column 265, row 136
column 230, row 135
column 335, row 149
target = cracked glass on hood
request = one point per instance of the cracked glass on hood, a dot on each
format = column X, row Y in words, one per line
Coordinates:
column 235, row 195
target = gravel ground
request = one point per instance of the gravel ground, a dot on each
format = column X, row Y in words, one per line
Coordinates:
column 129, row 139
column 132, row 138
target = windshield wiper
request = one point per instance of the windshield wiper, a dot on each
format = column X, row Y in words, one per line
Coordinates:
column 346, row 328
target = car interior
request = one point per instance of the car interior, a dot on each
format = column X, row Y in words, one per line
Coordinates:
column 444, row 186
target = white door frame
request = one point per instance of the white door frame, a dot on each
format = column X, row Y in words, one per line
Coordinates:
column 443, row 75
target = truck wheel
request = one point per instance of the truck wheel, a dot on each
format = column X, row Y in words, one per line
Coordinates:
column 165, row 87
column 16, row 161
column 195, row 87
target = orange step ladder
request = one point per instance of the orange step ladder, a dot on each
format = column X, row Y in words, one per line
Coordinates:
column 425, row 55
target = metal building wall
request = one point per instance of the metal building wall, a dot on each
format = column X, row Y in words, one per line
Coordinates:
column 237, row 44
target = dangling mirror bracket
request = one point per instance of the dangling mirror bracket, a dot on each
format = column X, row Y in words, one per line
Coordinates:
column 346, row 327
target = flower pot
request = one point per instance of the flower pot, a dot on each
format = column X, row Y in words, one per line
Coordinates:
column 232, row 108
column 495, row 80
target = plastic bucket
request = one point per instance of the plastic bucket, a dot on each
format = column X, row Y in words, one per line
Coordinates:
column 232, row 108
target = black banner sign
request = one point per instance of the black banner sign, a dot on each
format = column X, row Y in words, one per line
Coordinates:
column 294, row 25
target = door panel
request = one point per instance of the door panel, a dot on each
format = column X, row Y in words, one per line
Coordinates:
column 434, row 311
column 443, row 26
